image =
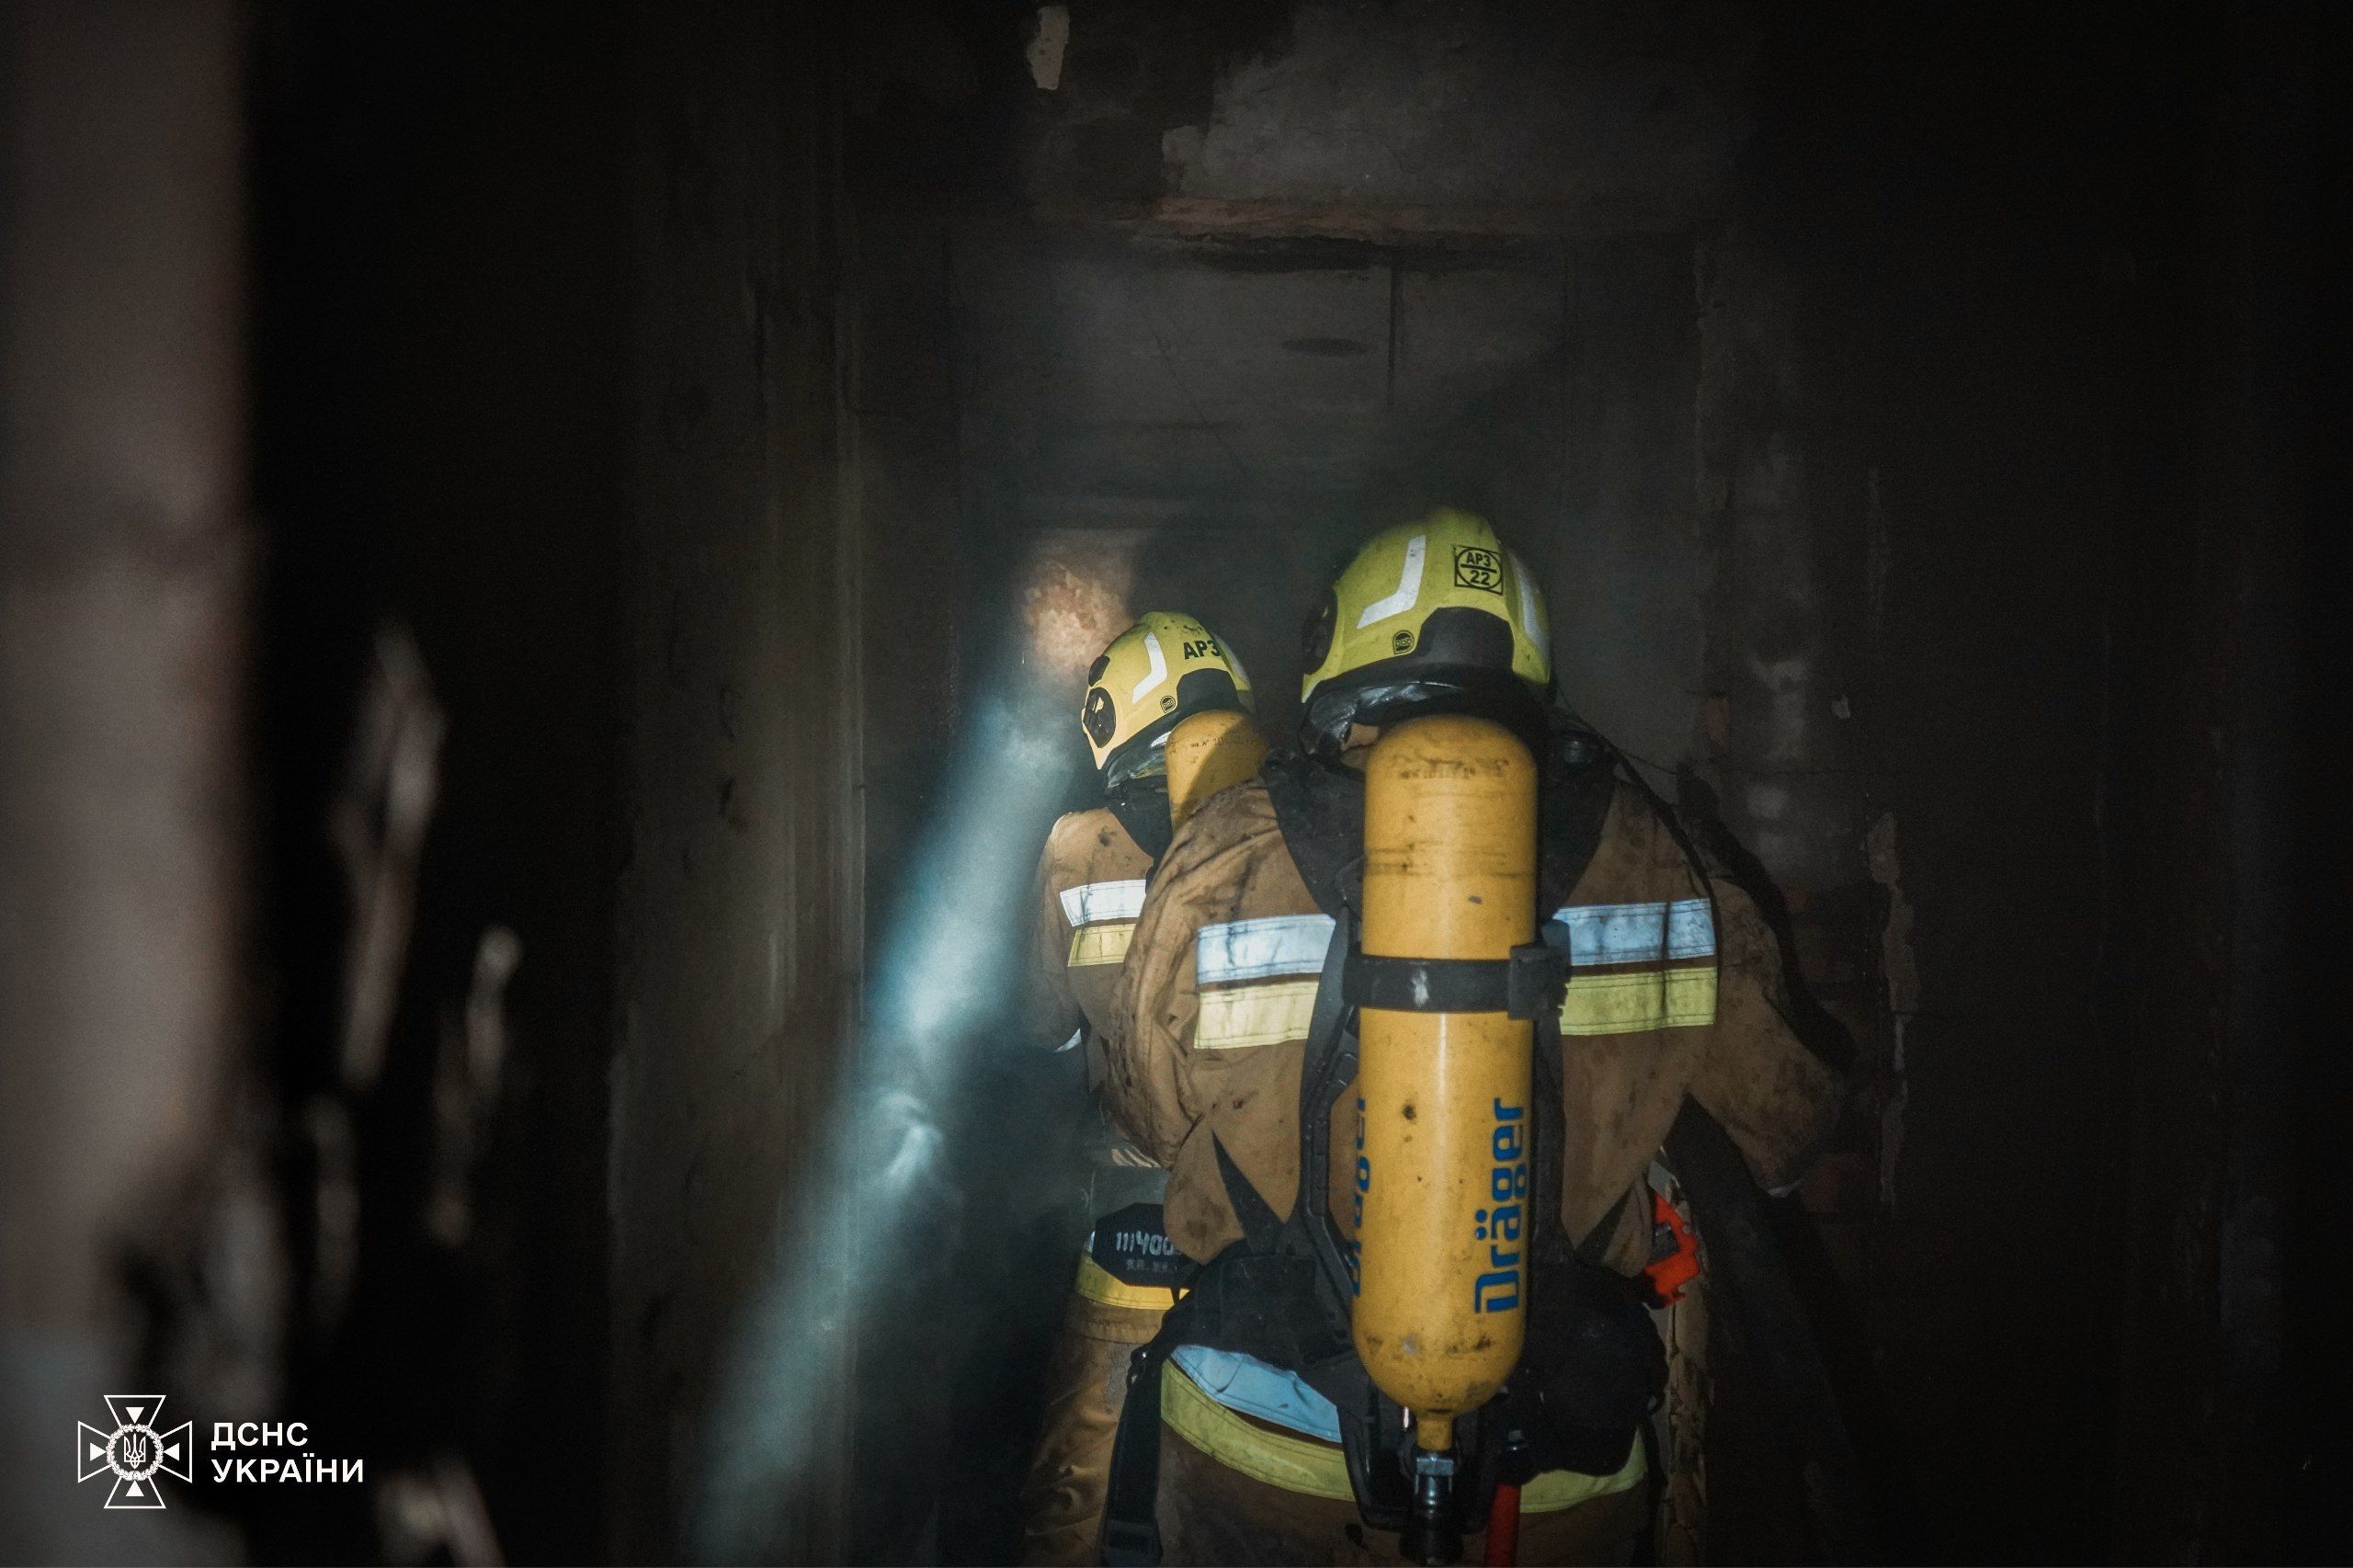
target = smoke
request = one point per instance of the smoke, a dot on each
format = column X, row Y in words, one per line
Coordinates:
column 946, row 969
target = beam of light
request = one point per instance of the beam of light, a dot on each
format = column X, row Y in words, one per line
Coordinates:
column 947, row 967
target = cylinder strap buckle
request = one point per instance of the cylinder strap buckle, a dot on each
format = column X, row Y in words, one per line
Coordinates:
column 1527, row 984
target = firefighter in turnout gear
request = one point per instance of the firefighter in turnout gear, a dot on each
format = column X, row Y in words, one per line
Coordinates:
column 1409, row 1017
column 1166, row 716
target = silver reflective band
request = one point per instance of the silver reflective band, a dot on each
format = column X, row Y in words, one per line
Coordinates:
column 1154, row 675
column 1530, row 622
column 1247, row 1384
column 1409, row 586
column 1072, row 1043
column 1255, row 950
column 1639, row 933
column 1092, row 901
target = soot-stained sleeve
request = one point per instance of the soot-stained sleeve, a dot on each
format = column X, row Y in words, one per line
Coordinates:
column 1773, row 1095
column 1050, row 1012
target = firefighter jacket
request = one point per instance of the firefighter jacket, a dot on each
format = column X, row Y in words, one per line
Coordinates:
column 1676, row 988
column 1089, row 891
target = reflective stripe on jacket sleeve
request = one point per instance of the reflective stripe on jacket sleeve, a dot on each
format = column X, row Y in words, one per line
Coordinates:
column 1635, row 966
column 1256, row 980
column 1102, row 917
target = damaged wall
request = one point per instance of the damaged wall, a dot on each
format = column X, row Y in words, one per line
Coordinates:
column 441, row 325
column 2228, row 870
column 1908, row 416
column 1999, row 262
column 738, row 904
column 126, row 580
column 546, row 375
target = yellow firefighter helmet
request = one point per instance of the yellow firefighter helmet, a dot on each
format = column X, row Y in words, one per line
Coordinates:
column 1436, row 610
column 1165, row 666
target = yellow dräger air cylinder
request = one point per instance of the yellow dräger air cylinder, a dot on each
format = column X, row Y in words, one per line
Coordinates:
column 1449, row 872
column 1209, row 752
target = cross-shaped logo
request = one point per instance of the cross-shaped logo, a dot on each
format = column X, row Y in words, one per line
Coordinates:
column 135, row 1451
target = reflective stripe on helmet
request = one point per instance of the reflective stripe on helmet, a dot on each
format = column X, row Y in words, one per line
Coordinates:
column 1154, row 675
column 1158, row 671
column 1409, row 585
column 1531, row 610
column 1398, row 606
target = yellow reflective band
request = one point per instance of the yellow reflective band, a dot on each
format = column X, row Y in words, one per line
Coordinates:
column 1100, row 944
column 1097, row 1283
column 1320, row 1469
column 1558, row 1489
column 1253, row 1015
column 1295, row 1464
column 1637, row 1000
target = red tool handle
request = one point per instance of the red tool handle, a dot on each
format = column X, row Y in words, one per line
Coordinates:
column 1674, row 1253
column 1502, row 1529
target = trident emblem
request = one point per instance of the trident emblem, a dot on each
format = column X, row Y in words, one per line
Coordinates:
column 135, row 1451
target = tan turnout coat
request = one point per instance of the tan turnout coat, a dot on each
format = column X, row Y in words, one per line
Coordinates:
column 1089, row 888
column 1676, row 990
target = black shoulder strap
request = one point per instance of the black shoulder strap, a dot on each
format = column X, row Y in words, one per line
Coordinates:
column 1577, row 792
column 1142, row 806
column 1261, row 1230
column 1131, row 1537
column 1320, row 812
column 1329, row 1065
column 1236, row 1302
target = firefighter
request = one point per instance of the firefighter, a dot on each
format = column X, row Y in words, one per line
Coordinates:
column 1166, row 716
column 1257, row 963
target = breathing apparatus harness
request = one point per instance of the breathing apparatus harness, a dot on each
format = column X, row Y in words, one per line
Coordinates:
column 1140, row 801
column 1592, row 1365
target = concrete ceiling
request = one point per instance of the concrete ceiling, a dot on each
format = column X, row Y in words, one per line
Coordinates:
column 1097, row 374
column 1405, row 122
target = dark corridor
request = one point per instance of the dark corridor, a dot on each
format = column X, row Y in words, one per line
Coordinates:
column 546, row 561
